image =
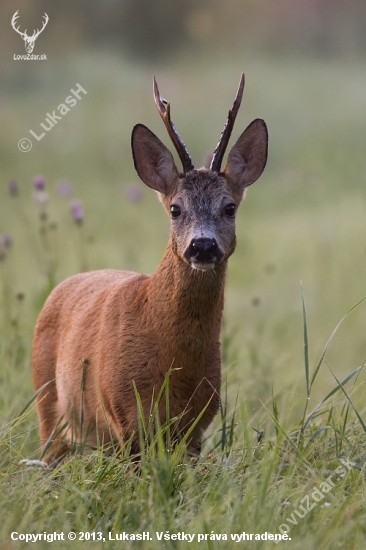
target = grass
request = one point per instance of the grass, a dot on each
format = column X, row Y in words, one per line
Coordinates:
column 245, row 482
column 293, row 405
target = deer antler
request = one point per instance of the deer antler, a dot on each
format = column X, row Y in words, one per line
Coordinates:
column 38, row 32
column 164, row 111
column 13, row 21
column 228, row 128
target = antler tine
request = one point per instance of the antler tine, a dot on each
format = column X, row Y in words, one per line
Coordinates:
column 14, row 21
column 164, row 111
column 228, row 128
column 15, row 17
column 44, row 23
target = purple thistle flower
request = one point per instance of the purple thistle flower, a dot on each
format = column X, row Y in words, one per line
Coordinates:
column 76, row 208
column 39, row 183
column 134, row 193
column 13, row 188
column 7, row 240
column 64, row 188
column 40, row 196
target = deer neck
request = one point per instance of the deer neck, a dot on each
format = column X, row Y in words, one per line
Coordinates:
column 185, row 305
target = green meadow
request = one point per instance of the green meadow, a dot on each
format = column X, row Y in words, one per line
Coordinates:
column 293, row 335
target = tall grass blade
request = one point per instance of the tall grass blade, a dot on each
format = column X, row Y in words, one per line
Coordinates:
column 282, row 431
column 306, row 344
column 28, row 404
column 340, row 386
column 331, row 338
column 58, row 430
column 334, row 390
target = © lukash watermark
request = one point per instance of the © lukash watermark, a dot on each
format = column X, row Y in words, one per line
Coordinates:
column 25, row 144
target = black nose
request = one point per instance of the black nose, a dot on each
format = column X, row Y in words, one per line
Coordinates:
column 203, row 249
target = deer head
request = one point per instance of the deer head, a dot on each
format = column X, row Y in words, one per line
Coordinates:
column 28, row 40
column 202, row 203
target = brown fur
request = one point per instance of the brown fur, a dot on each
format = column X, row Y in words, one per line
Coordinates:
column 106, row 330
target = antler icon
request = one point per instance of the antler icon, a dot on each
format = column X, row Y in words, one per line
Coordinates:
column 28, row 40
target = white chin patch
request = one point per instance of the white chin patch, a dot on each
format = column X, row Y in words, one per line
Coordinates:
column 203, row 266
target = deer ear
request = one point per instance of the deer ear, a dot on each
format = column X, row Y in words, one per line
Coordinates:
column 248, row 157
column 153, row 161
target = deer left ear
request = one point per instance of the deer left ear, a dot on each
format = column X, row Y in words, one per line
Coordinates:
column 248, row 157
column 153, row 161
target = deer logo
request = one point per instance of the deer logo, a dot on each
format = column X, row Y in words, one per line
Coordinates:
column 29, row 41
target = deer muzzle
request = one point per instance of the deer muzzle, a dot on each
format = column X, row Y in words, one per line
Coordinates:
column 203, row 253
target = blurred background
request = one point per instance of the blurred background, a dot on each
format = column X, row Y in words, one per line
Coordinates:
column 303, row 221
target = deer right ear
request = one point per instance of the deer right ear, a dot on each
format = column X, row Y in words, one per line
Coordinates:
column 248, row 157
column 153, row 161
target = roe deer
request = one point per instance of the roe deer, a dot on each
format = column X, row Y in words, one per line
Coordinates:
column 101, row 333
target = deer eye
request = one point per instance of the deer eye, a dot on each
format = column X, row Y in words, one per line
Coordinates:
column 175, row 211
column 230, row 210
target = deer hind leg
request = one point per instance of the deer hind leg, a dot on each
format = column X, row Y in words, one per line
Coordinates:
column 51, row 426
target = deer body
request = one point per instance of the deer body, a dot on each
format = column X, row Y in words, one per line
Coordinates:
column 105, row 331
